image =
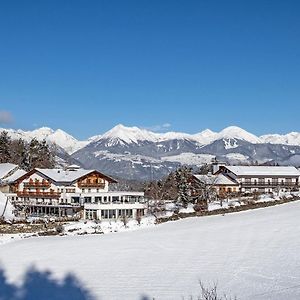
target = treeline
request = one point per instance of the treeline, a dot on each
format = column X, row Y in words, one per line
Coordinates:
column 181, row 186
column 35, row 154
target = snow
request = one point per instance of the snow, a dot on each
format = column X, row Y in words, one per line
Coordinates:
column 188, row 158
column 251, row 254
column 128, row 134
column 17, row 174
column 264, row 170
column 59, row 137
column 292, row 138
column 134, row 158
column 62, row 175
column 205, row 137
column 237, row 156
column 6, row 212
column 219, row 179
column 230, row 143
column 234, row 132
column 6, row 168
column 121, row 134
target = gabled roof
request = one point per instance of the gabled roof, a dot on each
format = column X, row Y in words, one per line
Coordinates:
column 69, row 176
column 6, row 168
column 16, row 175
column 219, row 179
column 263, row 170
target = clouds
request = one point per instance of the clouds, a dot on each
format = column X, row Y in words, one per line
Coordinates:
column 5, row 117
column 159, row 127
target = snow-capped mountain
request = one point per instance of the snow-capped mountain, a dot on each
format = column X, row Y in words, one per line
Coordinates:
column 121, row 134
column 137, row 153
column 292, row 138
column 57, row 137
column 234, row 132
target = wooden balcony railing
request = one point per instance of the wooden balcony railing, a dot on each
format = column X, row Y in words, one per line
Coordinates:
column 26, row 194
column 269, row 184
column 100, row 185
column 37, row 184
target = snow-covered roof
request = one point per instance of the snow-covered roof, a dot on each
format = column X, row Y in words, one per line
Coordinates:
column 218, row 179
column 16, row 175
column 60, row 175
column 6, row 168
column 263, row 170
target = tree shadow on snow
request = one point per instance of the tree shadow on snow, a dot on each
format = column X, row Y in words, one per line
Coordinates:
column 40, row 285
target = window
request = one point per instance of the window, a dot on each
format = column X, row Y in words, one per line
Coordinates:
column 115, row 199
column 98, row 199
column 91, row 214
column 87, row 199
column 83, row 190
column 104, row 214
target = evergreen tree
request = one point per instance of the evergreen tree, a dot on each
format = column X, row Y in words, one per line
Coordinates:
column 33, row 154
column 46, row 156
column 19, row 154
column 4, row 147
column 183, row 185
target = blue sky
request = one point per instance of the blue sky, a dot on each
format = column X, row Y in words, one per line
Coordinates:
column 85, row 66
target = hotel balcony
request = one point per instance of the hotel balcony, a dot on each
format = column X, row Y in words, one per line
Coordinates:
column 269, row 184
column 37, row 184
column 26, row 194
column 100, row 185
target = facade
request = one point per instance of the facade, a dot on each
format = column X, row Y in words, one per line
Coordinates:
column 262, row 179
column 73, row 192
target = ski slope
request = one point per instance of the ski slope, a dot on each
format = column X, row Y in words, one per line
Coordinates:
column 252, row 254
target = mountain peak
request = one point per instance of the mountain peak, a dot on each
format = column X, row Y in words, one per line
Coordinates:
column 235, row 132
column 128, row 134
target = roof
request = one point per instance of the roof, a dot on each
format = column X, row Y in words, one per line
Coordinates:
column 16, row 175
column 263, row 170
column 60, row 175
column 219, row 179
column 6, row 168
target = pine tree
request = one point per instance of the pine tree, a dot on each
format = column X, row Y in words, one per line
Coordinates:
column 4, row 147
column 40, row 155
column 33, row 154
column 19, row 154
column 182, row 179
column 46, row 156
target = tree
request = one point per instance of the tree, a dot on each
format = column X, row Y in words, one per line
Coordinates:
column 204, row 189
column 19, row 153
column 46, row 156
column 33, row 154
column 5, row 142
column 40, row 155
column 183, row 176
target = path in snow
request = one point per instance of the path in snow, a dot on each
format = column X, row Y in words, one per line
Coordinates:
column 252, row 254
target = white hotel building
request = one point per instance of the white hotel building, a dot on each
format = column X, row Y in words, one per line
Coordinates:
column 73, row 191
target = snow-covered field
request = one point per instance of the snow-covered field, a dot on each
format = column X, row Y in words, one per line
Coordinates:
column 252, row 254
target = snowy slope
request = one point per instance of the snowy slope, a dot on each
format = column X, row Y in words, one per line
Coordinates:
column 134, row 134
column 123, row 134
column 252, row 254
column 234, row 132
column 6, row 209
column 292, row 138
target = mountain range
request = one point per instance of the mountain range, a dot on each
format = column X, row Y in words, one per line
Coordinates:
column 135, row 153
